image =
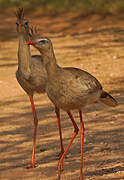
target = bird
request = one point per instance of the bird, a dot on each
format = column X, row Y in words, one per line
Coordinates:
column 69, row 88
column 31, row 75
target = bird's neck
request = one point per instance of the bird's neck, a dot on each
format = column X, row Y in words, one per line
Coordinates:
column 24, row 56
column 49, row 61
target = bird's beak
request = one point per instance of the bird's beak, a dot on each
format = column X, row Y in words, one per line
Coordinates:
column 20, row 24
column 30, row 43
column 18, row 27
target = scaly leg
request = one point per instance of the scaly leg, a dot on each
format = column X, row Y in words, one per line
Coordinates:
column 57, row 111
column 76, row 129
column 35, row 132
column 82, row 141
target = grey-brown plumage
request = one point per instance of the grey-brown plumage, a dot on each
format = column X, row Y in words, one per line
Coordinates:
column 33, row 81
column 107, row 99
column 31, row 73
column 69, row 88
column 72, row 88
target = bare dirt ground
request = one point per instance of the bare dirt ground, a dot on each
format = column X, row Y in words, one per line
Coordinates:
column 92, row 43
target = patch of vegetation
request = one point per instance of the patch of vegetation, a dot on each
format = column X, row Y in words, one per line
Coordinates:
column 84, row 6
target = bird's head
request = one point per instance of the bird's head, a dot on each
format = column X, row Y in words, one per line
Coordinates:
column 43, row 44
column 22, row 23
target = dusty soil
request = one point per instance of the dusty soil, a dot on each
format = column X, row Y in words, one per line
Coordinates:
column 92, row 43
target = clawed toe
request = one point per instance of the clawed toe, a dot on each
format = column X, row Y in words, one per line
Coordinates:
column 30, row 166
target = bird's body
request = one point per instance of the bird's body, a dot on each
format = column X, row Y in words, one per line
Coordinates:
column 72, row 88
column 36, row 81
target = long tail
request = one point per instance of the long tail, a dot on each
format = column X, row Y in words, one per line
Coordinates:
column 108, row 99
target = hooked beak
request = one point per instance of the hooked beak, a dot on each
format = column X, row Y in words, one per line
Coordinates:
column 30, row 43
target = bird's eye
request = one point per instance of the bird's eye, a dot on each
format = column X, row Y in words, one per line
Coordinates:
column 26, row 23
column 42, row 42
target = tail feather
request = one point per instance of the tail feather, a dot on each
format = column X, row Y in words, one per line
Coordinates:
column 108, row 99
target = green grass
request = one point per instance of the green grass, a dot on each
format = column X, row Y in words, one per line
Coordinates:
column 85, row 7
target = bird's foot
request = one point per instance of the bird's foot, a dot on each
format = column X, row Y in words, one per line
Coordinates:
column 60, row 169
column 60, row 166
column 59, row 177
column 30, row 166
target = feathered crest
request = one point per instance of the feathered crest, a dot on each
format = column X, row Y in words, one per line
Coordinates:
column 33, row 31
column 20, row 13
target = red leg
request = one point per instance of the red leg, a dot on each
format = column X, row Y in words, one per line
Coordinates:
column 60, row 132
column 82, row 140
column 35, row 132
column 76, row 129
